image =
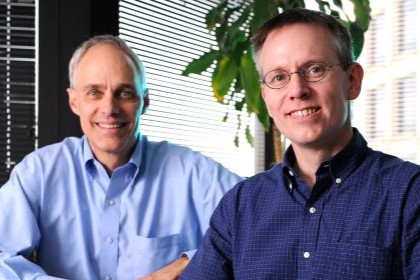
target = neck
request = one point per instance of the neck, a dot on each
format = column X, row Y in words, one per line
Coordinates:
column 112, row 162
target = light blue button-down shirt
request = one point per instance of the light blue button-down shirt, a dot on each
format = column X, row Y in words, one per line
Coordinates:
column 86, row 225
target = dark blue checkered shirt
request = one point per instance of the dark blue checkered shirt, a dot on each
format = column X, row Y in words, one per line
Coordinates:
column 361, row 220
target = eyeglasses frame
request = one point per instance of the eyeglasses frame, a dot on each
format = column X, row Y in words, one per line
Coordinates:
column 301, row 73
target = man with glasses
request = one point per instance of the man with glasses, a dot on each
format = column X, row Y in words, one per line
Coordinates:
column 112, row 204
column 334, row 208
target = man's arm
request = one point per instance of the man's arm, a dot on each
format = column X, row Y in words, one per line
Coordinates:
column 214, row 258
column 20, row 231
column 411, row 231
column 217, row 183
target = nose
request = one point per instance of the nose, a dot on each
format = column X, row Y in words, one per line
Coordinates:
column 298, row 86
column 109, row 106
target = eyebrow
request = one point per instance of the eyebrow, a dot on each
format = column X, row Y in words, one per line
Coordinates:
column 311, row 61
column 99, row 86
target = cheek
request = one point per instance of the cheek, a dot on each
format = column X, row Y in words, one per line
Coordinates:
column 133, row 111
column 339, row 108
column 274, row 105
column 85, row 110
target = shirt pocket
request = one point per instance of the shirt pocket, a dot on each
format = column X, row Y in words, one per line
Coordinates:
column 152, row 253
column 353, row 261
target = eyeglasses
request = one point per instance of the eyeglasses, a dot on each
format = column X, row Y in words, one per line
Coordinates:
column 312, row 72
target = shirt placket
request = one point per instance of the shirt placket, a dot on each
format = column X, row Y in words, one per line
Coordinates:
column 312, row 212
column 110, row 227
column 309, row 238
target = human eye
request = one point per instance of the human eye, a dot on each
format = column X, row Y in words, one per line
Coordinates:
column 280, row 77
column 93, row 93
column 277, row 77
column 315, row 69
column 127, row 94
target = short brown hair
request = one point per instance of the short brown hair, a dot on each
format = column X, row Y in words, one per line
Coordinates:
column 343, row 42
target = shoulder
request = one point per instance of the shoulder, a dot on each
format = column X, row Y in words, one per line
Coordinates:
column 71, row 144
column 46, row 165
column 391, row 168
column 265, row 180
column 262, row 187
column 53, row 154
column 166, row 152
column 388, row 176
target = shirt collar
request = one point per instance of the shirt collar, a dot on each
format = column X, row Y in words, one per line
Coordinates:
column 135, row 158
column 341, row 164
column 349, row 158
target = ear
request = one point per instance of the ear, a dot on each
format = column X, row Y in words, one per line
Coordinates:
column 146, row 101
column 355, row 78
column 73, row 100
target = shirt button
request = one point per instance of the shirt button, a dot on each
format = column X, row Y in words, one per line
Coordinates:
column 291, row 173
column 306, row 255
column 108, row 277
column 111, row 202
column 291, row 186
column 312, row 210
column 109, row 240
column 338, row 180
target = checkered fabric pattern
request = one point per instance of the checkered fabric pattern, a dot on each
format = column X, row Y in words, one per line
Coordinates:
column 361, row 220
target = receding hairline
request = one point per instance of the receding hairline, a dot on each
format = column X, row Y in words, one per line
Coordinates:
column 91, row 51
column 108, row 40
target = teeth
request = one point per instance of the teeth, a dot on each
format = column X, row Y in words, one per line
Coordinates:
column 104, row 125
column 304, row 112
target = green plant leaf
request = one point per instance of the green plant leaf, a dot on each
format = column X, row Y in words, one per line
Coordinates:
column 202, row 63
column 223, row 77
column 262, row 12
column 362, row 12
column 358, row 39
column 239, row 24
column 249, row 137
column 214, row 16
column 225, row 118
column 221, row 36
column 338, row 3
column 239, row 105
column 322, row 4
column 291, row 4
column 222, row 29
column 236, row 141
column 335, row 14
column 251, row 85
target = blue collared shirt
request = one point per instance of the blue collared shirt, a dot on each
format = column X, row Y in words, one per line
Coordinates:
column 361, row 220
column 86, row 225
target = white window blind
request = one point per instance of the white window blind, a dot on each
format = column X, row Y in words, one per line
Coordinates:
column 405, row 106
column 406, row 26
column 377, row 40
column 392, row 123
column 376, row 115
column 17, row 83
column 167, row 35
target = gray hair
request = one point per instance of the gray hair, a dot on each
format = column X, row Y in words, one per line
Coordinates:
column 107, row 40
column 342, row 42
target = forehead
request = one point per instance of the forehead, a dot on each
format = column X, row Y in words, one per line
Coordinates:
column 105, row 62
column 293, row 45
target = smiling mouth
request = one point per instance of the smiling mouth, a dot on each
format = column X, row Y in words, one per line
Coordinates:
column 110, row 125
column 304, row 112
